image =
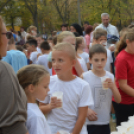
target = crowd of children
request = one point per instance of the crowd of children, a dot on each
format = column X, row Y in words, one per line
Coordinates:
column 62, row 66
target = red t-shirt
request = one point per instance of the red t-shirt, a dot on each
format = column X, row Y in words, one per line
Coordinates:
column 124, row 69
column 73, row 71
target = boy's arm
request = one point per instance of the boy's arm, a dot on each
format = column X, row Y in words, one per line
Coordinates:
column 45, row 108
column 54, row 103
column 82, row 114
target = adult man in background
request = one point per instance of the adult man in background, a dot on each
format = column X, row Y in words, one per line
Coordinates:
column 111, row 29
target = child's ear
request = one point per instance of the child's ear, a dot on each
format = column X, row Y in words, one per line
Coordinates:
column 30, row 88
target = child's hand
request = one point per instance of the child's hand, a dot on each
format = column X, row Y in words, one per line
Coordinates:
column 91, row 115
column 111, row 84
column 55, row 103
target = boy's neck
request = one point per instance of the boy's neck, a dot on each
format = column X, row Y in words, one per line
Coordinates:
column 79, row 50
column 34, row 50
column 45, row 51
column 99, row 73
column 66, row 77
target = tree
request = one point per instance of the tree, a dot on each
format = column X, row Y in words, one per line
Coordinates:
column 32, row 7
column 14, row 13
column 62, row 8
column 3, row 3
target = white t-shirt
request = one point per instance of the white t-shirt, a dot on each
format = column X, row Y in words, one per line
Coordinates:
column 111, row 29
column 109, row 61
column 39, row 50
column 76, row 93
column 85, row 56
column 102, row 98
column 36, row 122
column 33, row 57
column 43, row 60
column 83, row 64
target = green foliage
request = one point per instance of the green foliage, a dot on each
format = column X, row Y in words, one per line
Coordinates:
column 52, row 13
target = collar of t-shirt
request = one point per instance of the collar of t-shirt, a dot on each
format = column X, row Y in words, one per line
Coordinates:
column 32, row 106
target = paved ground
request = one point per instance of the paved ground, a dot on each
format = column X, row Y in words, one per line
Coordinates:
column 112, row 126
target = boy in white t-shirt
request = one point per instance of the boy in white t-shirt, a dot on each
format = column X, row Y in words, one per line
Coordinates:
column 100, row 37
column 43, row 59
column 99, row 115
column 32, row 47
column 71, row 116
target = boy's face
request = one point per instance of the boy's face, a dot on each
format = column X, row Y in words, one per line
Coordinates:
column 30, row 48
column 62, row 62
column 39, row 41
column 98, row 61
column 101, row 40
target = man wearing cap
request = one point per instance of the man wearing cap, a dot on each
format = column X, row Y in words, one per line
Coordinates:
column 111, row 29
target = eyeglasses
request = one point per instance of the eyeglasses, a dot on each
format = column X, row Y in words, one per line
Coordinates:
column 8, row 35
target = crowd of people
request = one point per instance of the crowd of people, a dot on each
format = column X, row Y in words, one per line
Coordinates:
column 91, row 68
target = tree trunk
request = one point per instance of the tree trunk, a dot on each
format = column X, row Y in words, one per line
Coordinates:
column 35, row 20
column 35, row 15
column 79, row 13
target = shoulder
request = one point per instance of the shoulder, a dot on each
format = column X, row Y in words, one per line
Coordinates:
column 34, row 114
column 86, row 74
column 86, row 54
column 109, row 74
column 81, row 82
column 53, row 78
column 121, row 56
column 4, row 66
column 112, row 26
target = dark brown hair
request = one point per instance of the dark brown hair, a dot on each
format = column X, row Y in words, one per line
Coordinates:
column 122, row 43
column 97, row 48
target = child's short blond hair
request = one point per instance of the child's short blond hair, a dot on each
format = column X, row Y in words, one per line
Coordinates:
column 31, row 74
column 63, row 35
column 66, row 47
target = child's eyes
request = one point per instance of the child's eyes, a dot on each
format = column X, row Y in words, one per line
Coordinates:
column 96, row 60
column 60, row 60
column 102, row 59
column 53, row 60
